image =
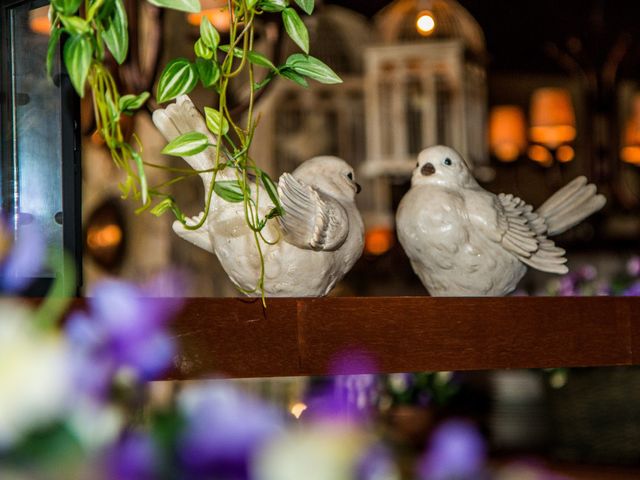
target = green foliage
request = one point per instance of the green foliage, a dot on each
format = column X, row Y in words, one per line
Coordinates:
column 186, row 145
column 229, row 190
column 178, row 78
column 295, row 28
column 77, row 54
column 116, row 34
column 191, row 6
column 102, row 26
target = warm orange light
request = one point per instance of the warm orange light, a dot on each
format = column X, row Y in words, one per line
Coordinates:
column 297, row 409
column 378, row 240
column 630, row 152
column 218, row 16
column 565, row 153
column 104, row 236
column 631, row 155
column 425, row 23
column 39, row 20
column 553, row 120
column 540, row 154
column 507, row 132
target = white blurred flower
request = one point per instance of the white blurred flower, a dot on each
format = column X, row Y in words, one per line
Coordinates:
column 35, row 377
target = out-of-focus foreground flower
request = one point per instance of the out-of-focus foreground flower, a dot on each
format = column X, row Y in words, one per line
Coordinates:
column 22, row 260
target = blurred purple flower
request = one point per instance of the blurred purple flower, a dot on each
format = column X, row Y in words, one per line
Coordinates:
column 376, row 464
column 633, row 290
column 568, row 285
column 224, row 431
column 633, row 266
column 587, row 273
column 456, row 450
column 124, row 329
column 349, row 394
column 21, row 261
column 133, row 457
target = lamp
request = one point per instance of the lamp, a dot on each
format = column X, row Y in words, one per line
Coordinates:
column 630, row 151
column 553, row 121
column 39, row 20
column 216, row 11
column 507, row 132
column 425, row 23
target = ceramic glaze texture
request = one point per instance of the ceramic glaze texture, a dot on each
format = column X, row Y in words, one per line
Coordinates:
column 316, row 242
column 465, row 241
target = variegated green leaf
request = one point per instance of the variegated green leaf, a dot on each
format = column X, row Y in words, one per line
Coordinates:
column 116, row 33
column 187, row 144
column 216, row 122
column 191, row 6
column 295, row 28
column 77, row 58
column 179, row 77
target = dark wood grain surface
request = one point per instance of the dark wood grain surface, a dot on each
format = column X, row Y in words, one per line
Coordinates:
column 239, row 338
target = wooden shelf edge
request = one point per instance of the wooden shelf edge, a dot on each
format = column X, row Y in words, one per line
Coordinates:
column 298, row 337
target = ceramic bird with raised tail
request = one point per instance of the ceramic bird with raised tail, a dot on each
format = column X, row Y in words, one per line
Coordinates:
column 321, row 234
column 465, row 241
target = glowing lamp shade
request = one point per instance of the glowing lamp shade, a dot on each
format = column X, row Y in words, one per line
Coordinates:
column 565, row 153
column 507, row 132
column 425, row 23
column 553, row 120
column 378, row 240
column 630, row 152
column 39, row 20
column 217, row 13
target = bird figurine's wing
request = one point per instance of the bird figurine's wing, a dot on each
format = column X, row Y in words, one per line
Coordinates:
column 524, row 233
column 311, row 220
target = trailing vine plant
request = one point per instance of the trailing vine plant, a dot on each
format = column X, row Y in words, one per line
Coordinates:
column 95, row 27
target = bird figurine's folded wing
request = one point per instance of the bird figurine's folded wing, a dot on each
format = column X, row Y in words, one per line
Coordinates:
column 523, row 233
column 311, row 220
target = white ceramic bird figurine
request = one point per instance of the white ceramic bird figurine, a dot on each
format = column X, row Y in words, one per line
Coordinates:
column 465, row 241
column 321, row 232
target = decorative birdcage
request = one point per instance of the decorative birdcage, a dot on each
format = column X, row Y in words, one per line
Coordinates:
column 425, row 85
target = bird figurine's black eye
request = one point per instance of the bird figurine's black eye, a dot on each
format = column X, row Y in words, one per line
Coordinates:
column 350, row 175
column 447, row 162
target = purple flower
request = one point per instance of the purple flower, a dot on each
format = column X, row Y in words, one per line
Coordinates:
column 568, row 285
column 587, row 273
column 633, row 267
column 633, row 290
column 376, row 464
column 123, row 330
column 349, row 394
column 224, row 431
column 133, row 457
column 22, row 261
column 457, row 450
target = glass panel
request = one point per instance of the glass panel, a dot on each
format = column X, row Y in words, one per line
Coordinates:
column 35, row 115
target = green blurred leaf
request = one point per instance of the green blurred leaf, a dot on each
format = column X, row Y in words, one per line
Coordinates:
column 273, row 5
column 201, row 50
column 75, row 25
column 52, row 49
column 306, row 6
column 66, row 7
column 208, row 34
column 272, row 191
column 259, row 59
column 191, row 6
column 294, row 76
column 144, row 189
column 116, row 33
column 208, row 71
column 216, row 122
column 179, row 77
column 295, row 28
column 187, row 144
column 77, row 58
column 130, row 103
column 229, row 190
column 162, row 206
column 313, row 68
column 251, row 3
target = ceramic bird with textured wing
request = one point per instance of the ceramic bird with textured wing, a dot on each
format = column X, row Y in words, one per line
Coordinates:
column 465, row 241
column 316, row 241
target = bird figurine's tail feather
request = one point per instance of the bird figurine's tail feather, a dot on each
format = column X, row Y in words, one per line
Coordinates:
column 182, row 117
column 570, row 205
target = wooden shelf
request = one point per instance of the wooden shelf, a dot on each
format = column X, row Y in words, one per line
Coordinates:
column 238, row 338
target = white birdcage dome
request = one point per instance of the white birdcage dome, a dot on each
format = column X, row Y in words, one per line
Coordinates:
column 448, row 20
column 337, row 36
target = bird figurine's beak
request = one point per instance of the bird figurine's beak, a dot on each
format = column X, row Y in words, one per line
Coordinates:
column 428, row 169
column 358, row 188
